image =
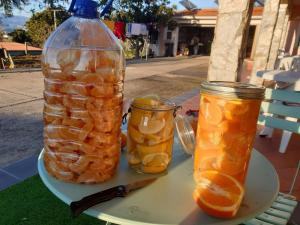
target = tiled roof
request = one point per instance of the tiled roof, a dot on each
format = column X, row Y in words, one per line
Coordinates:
column 198, row 12
column 14, row 46
column 257, row 11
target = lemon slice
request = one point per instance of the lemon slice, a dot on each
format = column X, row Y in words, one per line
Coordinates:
column 135, row 135
column 153, row 169
column 144, row 150
column 151, row 126
column 133, row 159
column 153, row 139
column 138, row 115
column 156, row 159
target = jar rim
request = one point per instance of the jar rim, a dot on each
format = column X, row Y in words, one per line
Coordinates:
column 168, row 105
column 233, row 89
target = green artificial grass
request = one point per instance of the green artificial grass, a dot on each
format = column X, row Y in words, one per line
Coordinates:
column 31, row 203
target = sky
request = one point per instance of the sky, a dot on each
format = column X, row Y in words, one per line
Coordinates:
column 199, row 3
column 34, row 4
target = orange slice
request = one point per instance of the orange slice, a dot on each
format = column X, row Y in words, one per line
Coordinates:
column 235, row 109
column 208, row 163
column 218, row 194
column 205, row 159
column 231, row 164
column 211, row 112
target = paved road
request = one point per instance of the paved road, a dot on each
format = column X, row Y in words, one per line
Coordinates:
column 21, row 103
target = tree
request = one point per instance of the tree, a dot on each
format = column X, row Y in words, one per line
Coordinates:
column 8, row 5
column 1, row 33
column 141, row 11
column 41, row 24
column 54, row 3
column 20, row 36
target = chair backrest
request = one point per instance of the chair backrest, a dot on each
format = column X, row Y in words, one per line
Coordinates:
column 296, row 64
column 277, row 105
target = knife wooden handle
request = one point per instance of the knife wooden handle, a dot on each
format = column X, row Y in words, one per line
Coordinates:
column 79, row 206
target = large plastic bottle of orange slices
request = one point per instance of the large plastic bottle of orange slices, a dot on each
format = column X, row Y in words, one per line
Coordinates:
column 83, row 65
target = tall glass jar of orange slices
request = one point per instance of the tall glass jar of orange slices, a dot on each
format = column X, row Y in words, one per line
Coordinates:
column 83, row 65
column 150, row 134
column 226, row 130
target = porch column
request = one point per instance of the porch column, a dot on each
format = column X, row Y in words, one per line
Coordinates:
column 161, row 40
column 284, row 32
column 277, row 36
column 176, row 39
column 294, row 47
column 264, row 42
column 257, row 30
column 227, row 48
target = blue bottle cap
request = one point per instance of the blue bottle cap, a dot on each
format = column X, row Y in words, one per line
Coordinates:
column 84, row 8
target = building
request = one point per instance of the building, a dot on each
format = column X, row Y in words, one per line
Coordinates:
column 196, row 27
column 12, row 54
column 18, row 49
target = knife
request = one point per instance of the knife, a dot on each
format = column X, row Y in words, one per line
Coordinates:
column 119, row 191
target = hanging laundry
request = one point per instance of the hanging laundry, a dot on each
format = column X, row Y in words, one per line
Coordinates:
column 139, row 29
column 110, row 24
column 135, row 29
column 144, row 30
column 128, row 29
column 120, row 30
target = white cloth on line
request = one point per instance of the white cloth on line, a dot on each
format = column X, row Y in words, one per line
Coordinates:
column 138, row 29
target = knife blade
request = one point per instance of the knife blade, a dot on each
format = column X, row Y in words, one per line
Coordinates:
column 87, row 202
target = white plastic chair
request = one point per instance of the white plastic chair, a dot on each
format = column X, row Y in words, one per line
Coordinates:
column 281, row 210
column 287, row 78
column 281, row 109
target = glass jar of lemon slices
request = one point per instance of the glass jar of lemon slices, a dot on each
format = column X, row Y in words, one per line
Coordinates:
column 226, row 130
column 150, row 134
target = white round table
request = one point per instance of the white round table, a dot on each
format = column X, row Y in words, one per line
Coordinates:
column 169, row 199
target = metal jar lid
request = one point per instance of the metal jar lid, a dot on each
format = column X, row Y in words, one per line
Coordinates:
column 167, row 104
column 185, row 134
column 233, row 89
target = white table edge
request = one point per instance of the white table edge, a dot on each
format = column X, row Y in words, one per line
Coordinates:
column 116, row 220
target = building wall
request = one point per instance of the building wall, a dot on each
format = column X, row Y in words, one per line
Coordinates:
column 165, row 41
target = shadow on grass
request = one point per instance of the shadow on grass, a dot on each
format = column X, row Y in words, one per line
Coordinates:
column 30, row 203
